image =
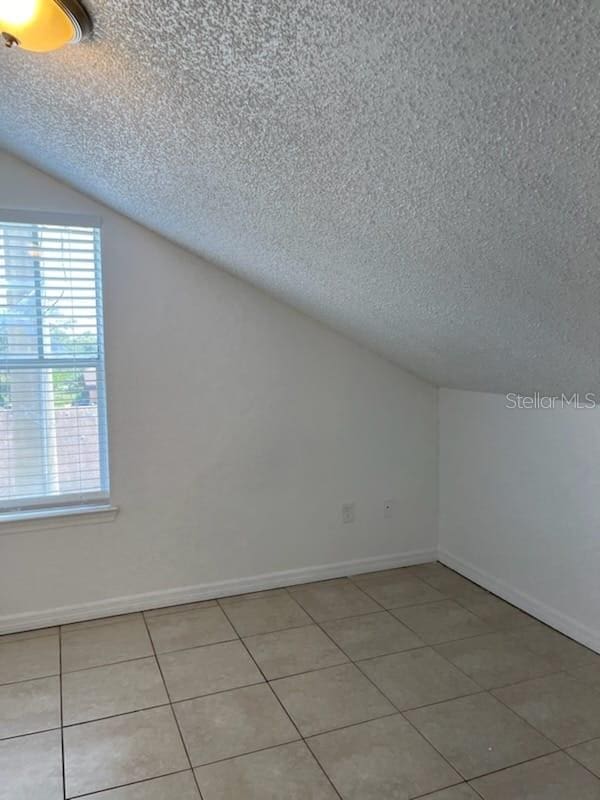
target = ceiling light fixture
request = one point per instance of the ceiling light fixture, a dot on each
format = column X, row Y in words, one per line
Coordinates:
column 43, row 25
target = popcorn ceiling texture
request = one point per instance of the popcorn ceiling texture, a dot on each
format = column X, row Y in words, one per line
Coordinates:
column 423, row 176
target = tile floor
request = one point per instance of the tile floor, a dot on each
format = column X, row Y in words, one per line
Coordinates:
column 408, row 683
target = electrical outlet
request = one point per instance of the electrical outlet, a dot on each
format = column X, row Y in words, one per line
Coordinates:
column 348, row 512
column 388, row 509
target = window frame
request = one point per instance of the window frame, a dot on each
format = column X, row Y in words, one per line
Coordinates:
column 97, row 502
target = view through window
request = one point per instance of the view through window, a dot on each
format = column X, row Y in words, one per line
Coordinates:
column 53, row 441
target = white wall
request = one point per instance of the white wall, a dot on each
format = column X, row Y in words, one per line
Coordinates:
column 238, row 428
column 520, row 505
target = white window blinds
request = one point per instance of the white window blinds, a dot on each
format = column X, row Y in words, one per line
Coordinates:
column 53, row 441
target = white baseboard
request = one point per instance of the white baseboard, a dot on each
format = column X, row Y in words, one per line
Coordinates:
column 207, row 591
column 556, row 619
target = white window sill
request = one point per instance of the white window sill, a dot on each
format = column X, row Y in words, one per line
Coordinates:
column 23, row 521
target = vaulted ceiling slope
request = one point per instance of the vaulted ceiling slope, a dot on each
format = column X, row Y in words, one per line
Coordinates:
column 423, row 175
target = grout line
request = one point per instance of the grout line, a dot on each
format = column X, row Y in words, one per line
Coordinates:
column 144, row 708
column 586, row 768
column 528, row 761
column 108, row 664
column 318, row 734
column 176, row 702
column 322, row 768
column 173, row 714
column 517, row 764
column 277, row 678
column 277, row 630
column 297, row 740
column 380, row 604
column 148, row 657
column 544, row 675
column 585, row 741
column 114, row 716
column 27, row 636
column 474, row 790
column 477, row 691
column 125, row 785
column 236, row 638
column 155, row 653
column 344, row 617
column 99, row 622
column 349, row 616
column 30, row 680
column 446, row 789
column 183, row 608
column 30, row 733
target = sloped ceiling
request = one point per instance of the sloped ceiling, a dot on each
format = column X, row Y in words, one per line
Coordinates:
column 423, row 175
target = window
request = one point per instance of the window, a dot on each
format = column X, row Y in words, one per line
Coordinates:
column 53, row 440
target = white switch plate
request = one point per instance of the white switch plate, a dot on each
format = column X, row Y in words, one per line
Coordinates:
column 348, row 512
column 388, row 509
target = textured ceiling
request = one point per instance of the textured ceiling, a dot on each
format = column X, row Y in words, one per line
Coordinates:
column 424, row 176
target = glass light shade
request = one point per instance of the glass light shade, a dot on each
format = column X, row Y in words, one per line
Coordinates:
column 43, row 25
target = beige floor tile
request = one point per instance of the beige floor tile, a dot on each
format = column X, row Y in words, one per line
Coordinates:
column 440, row 622
column 494, row 611
column 265, row 613
column 241, row 739
column 453, row 585
column 35, row 634
column 180, row 786
column 461, row 792
column 396, row 591
column 330, row 698
column 25, row 659
column 333, row 599
column 433, row 568
column 385, row 758
column 190, row 629
column 233, row 723
column 417, row 678
column 564, row 653
column 205, row 670
column 111, row 752
column 554, row 777
column 29, row 707
column 477, row 734
column 589, row 675
column 495, row 660
column 371, row 635
column 261, row 595
column 289, row 772
column 561, row 707
column 160, row 612
column 588, row 754
column 293, row 651
column 113, row 689
column 31, row 767
column 396, row 572
column 95, row 645
column 99, row 621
